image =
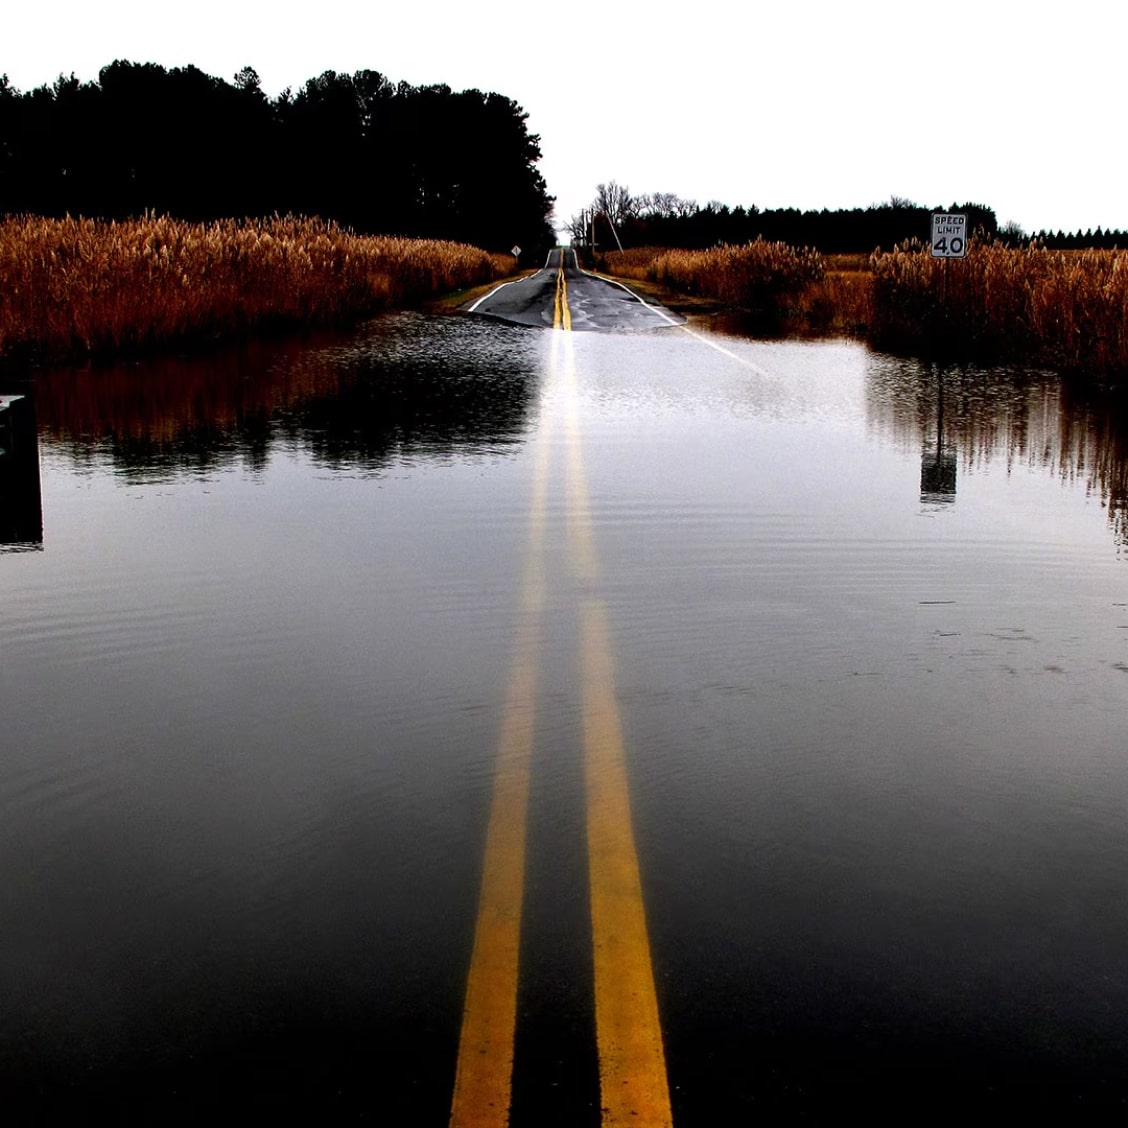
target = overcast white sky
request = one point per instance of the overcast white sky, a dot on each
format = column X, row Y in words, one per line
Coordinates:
column 804, row 103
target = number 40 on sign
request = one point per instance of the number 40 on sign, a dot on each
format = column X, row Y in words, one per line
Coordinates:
column 949, row 235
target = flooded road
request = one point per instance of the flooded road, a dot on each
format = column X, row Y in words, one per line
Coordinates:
column 848, row 634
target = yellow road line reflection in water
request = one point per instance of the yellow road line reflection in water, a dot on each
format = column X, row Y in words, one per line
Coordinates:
column 632, row 1069
column 632, row 1062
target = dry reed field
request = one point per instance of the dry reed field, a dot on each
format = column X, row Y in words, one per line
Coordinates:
column 1067, row 309
column 1063, row 309
column 764, row 277
column 842, row 300
column 85, row 286
column 634, row 263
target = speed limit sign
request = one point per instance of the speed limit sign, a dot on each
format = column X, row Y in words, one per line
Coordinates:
column 949, row 235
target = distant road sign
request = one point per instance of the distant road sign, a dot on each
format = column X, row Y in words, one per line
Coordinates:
column 516, row 250
column 949, row 235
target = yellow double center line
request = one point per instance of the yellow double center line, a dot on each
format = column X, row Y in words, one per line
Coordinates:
column 632, row 1066
column 561, row 315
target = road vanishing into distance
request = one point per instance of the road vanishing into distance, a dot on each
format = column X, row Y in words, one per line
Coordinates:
column 445, row 723
column 562, row 296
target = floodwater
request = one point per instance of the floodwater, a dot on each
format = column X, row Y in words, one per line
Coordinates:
column 868, row 622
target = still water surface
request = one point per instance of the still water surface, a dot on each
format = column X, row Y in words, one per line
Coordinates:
column 870, row 629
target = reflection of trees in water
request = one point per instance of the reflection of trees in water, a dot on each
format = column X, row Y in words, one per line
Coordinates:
column 1027, row 418
column 427, row 389
column 402, row 385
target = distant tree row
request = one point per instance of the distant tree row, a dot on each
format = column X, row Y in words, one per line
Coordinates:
column 373, row 155
column 663, row 219
column 1079, row 241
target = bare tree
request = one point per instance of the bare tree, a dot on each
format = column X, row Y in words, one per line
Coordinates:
column 666, row 205
column 615, row 202
column 577, row 227
column 1012, row 233
column 612, row 205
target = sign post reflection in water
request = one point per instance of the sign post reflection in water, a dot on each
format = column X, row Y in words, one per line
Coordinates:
column 938, row 462
column 632, row 1067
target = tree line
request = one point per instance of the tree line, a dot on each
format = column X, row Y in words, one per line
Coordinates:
column 664, row 219
column 1084, row 240
column 373, row 155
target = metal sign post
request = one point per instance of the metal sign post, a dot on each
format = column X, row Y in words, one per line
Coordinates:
column 949, row 241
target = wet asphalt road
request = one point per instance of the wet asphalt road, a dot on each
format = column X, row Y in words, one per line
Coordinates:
column 593, row 303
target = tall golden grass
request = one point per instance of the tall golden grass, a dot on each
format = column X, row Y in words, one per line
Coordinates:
column 1068, row 309
column 634, row 263
column 84, row 286
column 842, row 300
column 1063, row 309
column 764, row 277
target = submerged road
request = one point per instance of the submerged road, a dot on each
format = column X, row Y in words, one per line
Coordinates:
column 563, row 296
column 562, row 730
column 633, row 1085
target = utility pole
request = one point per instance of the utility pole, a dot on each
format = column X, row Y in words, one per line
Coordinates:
column 618, row 241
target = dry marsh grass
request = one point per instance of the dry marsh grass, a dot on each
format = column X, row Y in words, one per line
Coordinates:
column 75, row 286
column 1068, row 309
column 634, row 263
column 842, row 300
column 768, row 278
column 1064, row 309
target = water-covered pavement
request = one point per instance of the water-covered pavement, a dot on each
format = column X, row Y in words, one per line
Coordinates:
column 840, row 638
